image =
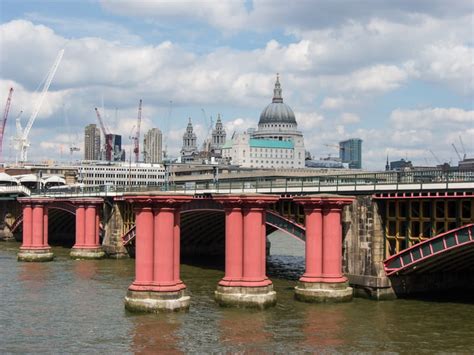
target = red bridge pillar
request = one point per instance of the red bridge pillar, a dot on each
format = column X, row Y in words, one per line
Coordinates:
column 87, row 245
column 245, row 282
column 35, row 230
column 157, row 286
column 323, row 280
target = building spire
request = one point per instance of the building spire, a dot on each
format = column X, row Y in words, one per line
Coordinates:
column 277, row 90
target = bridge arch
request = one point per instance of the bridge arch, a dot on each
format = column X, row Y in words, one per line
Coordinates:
column 61, row 221
column 453, row 250
column 203, row 228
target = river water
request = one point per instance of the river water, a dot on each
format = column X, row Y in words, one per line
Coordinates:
column 69, row 306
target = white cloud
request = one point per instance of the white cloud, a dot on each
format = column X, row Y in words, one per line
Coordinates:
column 333, row 103
column 349, row 118
column 308, row 121
column 432, row 118
column 229, row 15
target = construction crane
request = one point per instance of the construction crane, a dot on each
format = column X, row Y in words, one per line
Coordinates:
column 208, row 124
column 107, row 137
column 136, row 149
column 463, row 148
column 22, row 137
column 165, row 134
column 4, row 120
column 436, row 158
column 457, row 153
column 72, row 147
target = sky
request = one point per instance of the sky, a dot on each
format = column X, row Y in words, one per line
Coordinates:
column 397, row 74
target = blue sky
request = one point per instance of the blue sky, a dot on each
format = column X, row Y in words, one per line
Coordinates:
column 398, row 74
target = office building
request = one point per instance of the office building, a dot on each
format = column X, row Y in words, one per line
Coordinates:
column 91, row 142
column 152, row 146
column 350, row 151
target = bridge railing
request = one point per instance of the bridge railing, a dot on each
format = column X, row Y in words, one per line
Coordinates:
column 392, row 180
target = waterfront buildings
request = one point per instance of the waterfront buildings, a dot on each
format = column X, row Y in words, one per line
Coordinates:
column 277, row 143
column 121, row 174
column 91, row 142
column 350, row 151
column 153, row 146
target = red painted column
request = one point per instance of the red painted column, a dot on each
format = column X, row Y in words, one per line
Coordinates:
column 253, row 245
column 157, row 286
column 245, row 283
column 35, row 230
column 177, row 247
column 314, row 244
column 90, row 226
column 264, row 246
column 332, row 243
column 87, row 245
column 97, row 227
column 144, row 247
column 80, row 225
column 27, row 225
column 164, row 257
column 233, row 246
column 45, row 225
column 37, row 226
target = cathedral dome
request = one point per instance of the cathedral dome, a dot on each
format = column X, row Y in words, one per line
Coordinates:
column 277, row 111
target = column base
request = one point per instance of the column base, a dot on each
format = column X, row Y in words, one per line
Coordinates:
column 87, row 253
column 318, row 292
column 156, row 302
column 35, row 255
column 246, row 297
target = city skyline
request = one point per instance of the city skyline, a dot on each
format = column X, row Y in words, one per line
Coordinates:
column 397, row 75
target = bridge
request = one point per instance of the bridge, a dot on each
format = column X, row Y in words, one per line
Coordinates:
column 391, row 217
column 358, row 183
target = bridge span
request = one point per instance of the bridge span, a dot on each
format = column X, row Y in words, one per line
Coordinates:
column 385, row 220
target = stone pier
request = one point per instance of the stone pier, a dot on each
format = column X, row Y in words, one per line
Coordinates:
column 157, row 286
column 35, row 230
column 87, row 245
column 245, row 283
column 323, row 280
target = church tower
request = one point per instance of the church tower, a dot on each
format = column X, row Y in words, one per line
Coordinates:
column 218, row 136
column 189, row 141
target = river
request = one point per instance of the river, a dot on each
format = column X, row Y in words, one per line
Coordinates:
column 69, row 306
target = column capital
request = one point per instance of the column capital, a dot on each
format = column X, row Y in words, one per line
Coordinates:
column 245, row 200
column 86, row 201
column 325, row 201
column 35, row 200
column 157, row 200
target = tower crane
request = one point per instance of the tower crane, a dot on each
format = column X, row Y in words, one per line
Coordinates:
column 23, row 142
column 463, row 149
column 107, row 136
column 72, row 147
column 166, row 125
column 4, row 120
column 457, row 153
column 436, row 158
column 136, row 149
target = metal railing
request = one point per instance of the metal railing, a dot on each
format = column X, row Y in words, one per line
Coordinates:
column 380, row 181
